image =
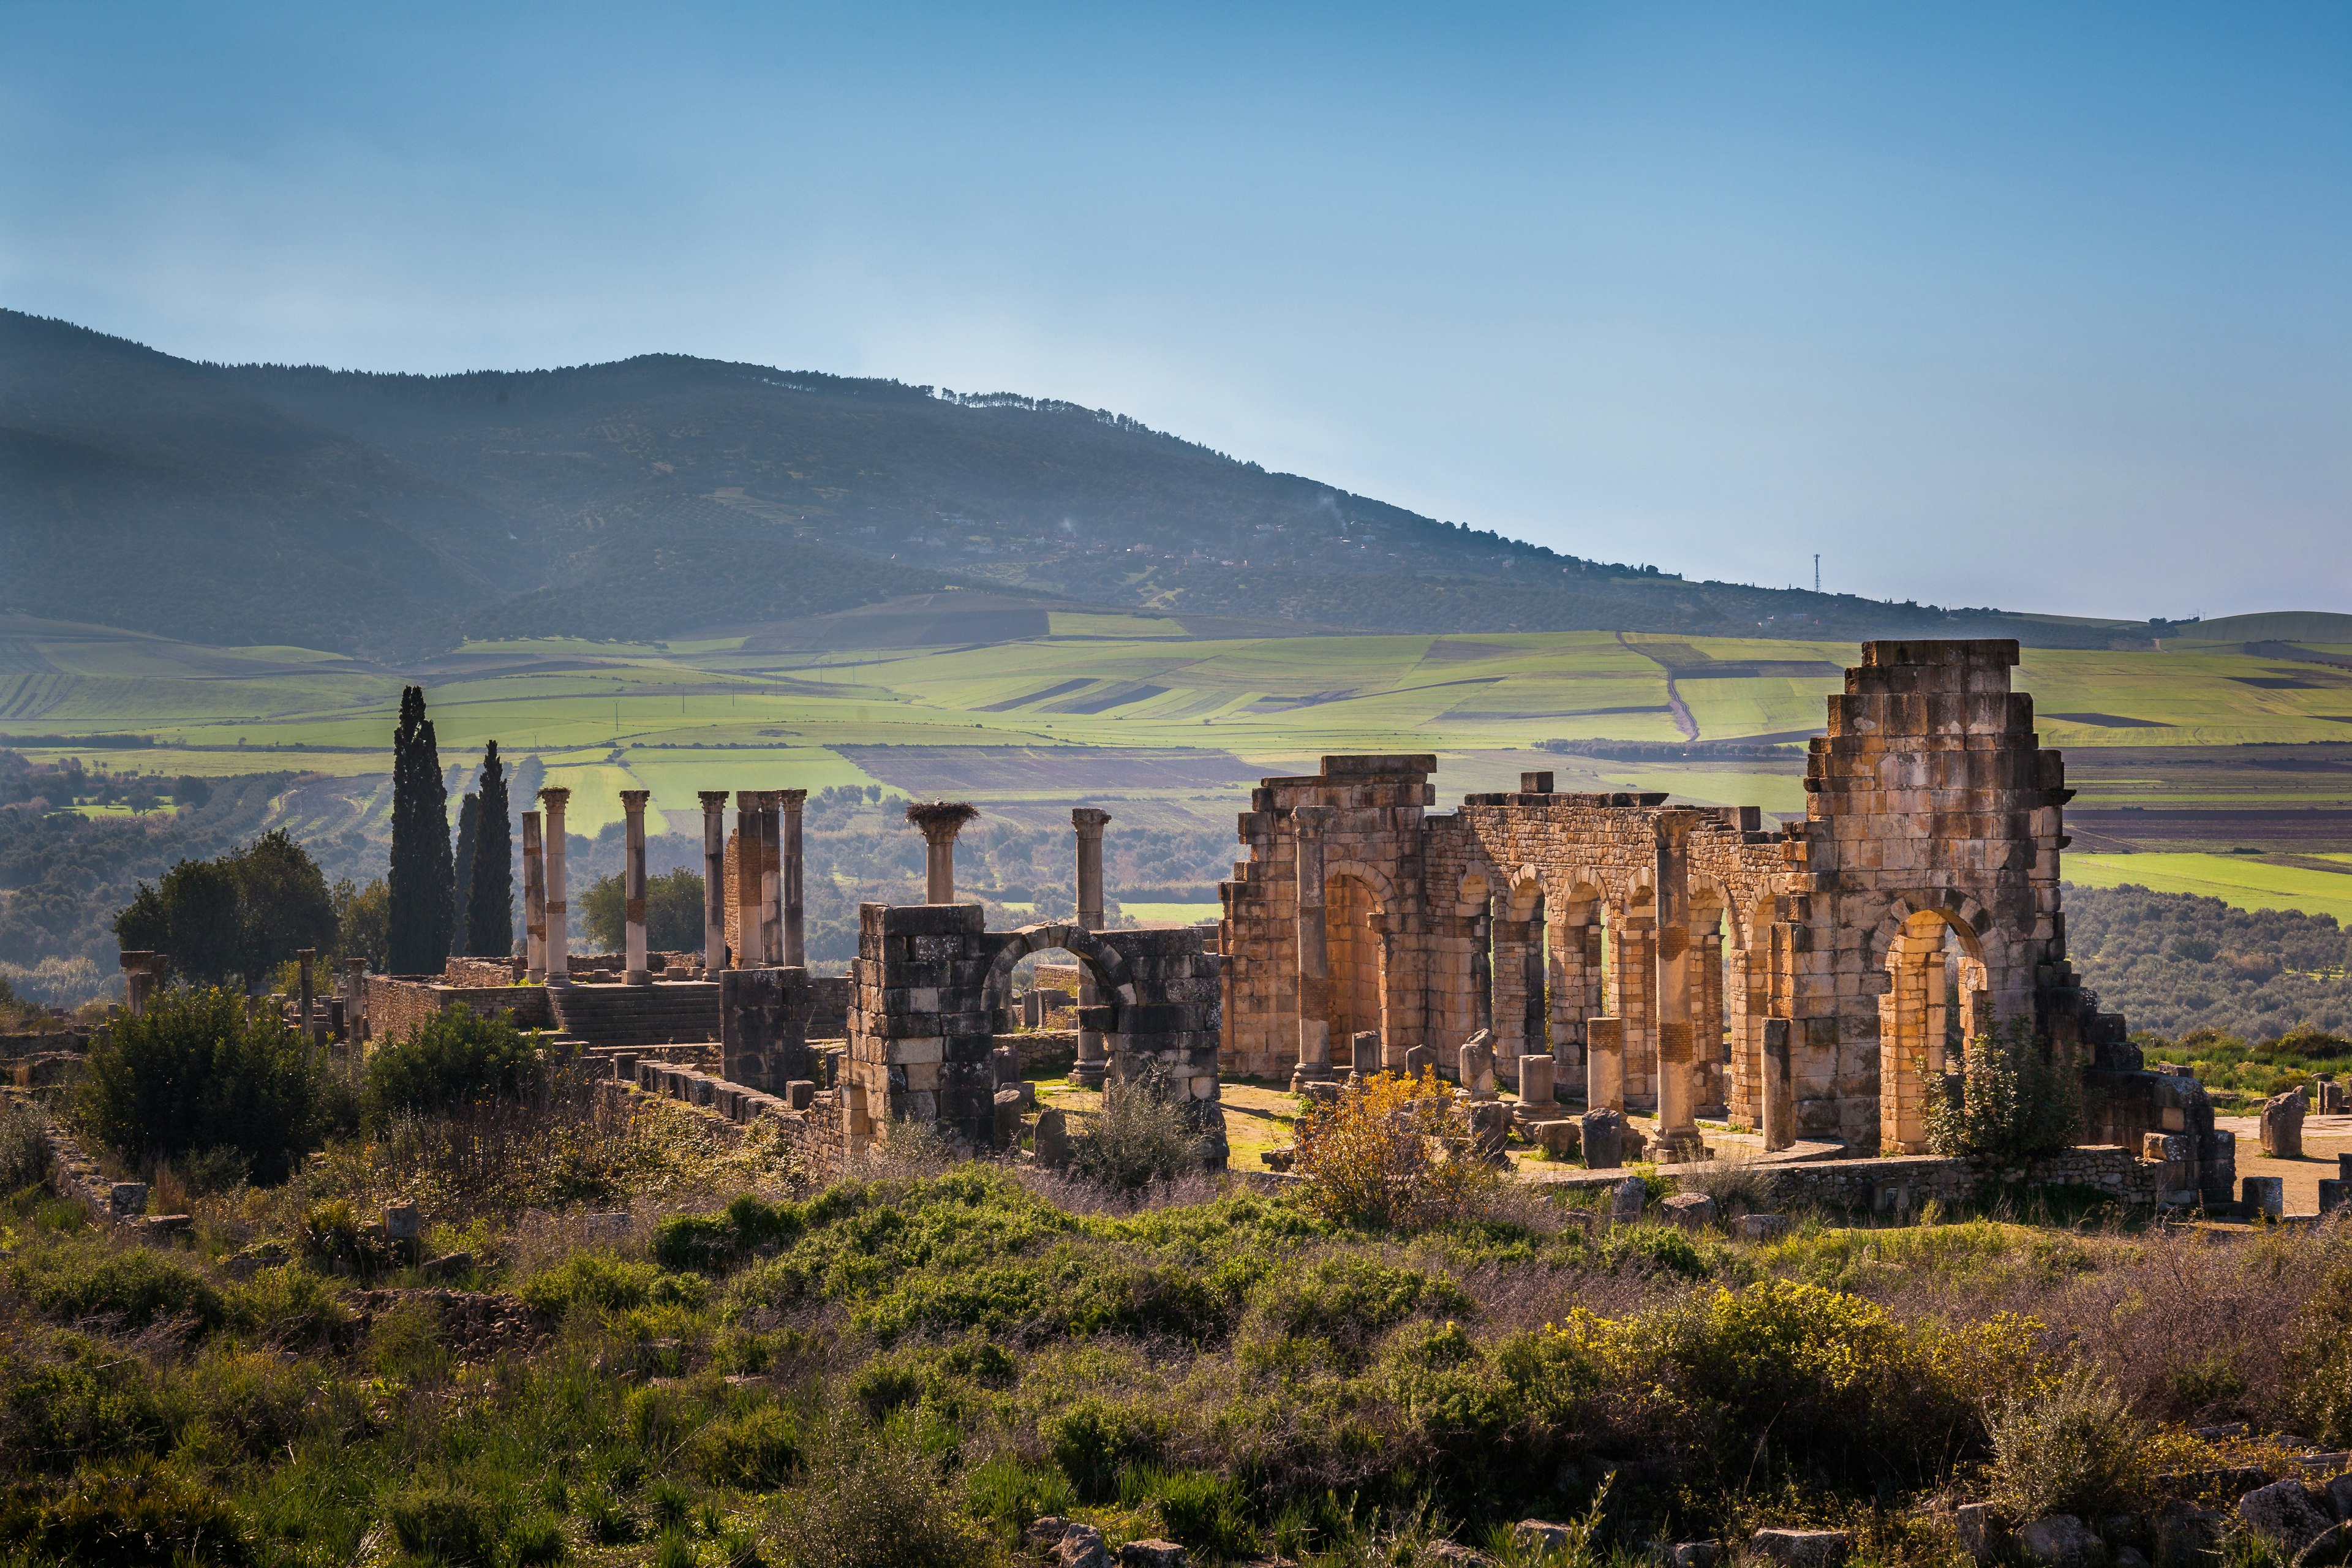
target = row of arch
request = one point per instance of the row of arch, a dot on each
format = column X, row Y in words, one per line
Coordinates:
column 1930, row 947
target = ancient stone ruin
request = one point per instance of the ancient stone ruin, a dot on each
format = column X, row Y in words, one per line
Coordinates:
column 1813, row 980
column 1808, row 980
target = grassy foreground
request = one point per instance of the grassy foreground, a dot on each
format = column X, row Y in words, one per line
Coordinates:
column 660, row 1348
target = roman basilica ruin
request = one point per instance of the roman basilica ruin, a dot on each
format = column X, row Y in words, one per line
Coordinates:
column 1810, row 981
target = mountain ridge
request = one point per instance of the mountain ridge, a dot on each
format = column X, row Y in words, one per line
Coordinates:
column 399, row 514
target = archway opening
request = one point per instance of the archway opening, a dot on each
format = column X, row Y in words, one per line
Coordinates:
column 1351, row 934
column 1934, row 1001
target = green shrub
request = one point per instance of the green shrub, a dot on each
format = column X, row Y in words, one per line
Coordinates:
column 1142, row 1134
column 873, row 1498
column 455, row 1057
column 23, row 1153
column 600, row 1279
column 443, row 1524
column 66, row 1397
column 129, row 1518
column 754, row 1450
column 2014, row 1100
column 195, row 1072
column 1011, row 1492
column 1206, row 1512
column 715, row 1243
column 535, row 1542
column 129, row 1286
column 2074, row 1448
column 1093, row 1439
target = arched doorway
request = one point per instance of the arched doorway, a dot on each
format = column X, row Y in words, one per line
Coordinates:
column 1352, row 935
column 1934, row 999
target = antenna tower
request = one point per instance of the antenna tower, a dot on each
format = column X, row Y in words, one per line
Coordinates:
column 1817, row 571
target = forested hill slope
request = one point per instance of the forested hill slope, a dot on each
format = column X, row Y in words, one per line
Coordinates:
column 664, row 494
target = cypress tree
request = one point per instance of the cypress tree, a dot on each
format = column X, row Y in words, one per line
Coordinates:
column 422, row 910
column 461, row 880
column 489, row 904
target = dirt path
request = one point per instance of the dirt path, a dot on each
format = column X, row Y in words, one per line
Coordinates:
column 1674, row 704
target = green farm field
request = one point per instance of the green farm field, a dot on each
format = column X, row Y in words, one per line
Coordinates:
column 2247, row 883
column 1110, row 706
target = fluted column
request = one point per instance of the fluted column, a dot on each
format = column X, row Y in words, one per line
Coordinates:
column 795, row 954
column 634, row 970
column 714, row 881
column 940, row 821
column 771, row 875
column 1094, row 1060
column 751, row 931
column 535, row 901
column 1314, row 952
column 1677, row 992
column 558, row 913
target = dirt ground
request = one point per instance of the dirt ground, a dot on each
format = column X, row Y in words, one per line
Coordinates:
column 2324, row 1138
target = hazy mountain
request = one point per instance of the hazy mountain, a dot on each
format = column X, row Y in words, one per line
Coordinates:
column 657, row 495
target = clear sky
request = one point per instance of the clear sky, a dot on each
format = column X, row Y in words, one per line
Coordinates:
column 2044, row 305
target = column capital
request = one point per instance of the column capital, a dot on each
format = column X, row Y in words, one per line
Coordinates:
column 1311, row 820
column 751, row 800
column 941, row 820
column 1088, row 820
column 712, row 799
column 790, row 799
column 555, row 798
column 633, row 800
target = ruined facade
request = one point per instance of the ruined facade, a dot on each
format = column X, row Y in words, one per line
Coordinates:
column 1683, row 960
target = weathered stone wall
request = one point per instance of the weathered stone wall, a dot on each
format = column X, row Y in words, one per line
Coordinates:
column 932, row 983
column 395, row 1006
column 1929, row 848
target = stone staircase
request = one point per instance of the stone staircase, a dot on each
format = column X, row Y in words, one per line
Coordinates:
column 609, row 1017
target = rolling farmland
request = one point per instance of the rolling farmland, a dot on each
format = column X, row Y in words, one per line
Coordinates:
column 2191, row 751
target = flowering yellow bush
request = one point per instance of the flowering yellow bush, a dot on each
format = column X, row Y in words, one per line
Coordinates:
column 1391, row 1154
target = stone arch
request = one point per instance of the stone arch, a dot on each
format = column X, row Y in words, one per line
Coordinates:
column 1356, row 955
column 1478, row 884
column 1112, row 981
column 1969, row 920
column 1915, row 1011
column 1382, row 887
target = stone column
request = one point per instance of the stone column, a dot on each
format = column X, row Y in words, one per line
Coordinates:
column 1604, row 1064
column 534, row 901
column 1482, row 968
column 354, row 1000
column 139, row 971
column 750, row 932
column 795, row 927
column 1676, row 993
column 634, row 970
column 940, row 821
column 1777, row 1089
column 1314, row 952
column 1535, row 1041
column 1630, row 998
column 559, row 916
column 1094, row 1057
column 771, row 875
column 306, row 957
column 714, row 881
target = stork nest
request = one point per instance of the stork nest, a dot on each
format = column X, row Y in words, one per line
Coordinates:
column 931, row 816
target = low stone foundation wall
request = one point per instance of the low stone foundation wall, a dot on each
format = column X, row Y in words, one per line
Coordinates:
column 396, row 1003
column 1903, row 1184
column 815, row 1132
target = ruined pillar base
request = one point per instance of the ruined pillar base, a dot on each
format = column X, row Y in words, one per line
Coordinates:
column 636, row 977
column 1303, row 1075
column 1682, row 1146
column 1090, row 1075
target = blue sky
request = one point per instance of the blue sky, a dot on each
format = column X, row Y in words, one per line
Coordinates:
column 2048, row 306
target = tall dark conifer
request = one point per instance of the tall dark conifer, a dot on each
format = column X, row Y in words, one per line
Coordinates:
column 489, row 904
column 422, row 910
column 461, row 880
